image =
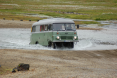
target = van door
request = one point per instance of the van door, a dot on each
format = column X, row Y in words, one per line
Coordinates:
column 41, row 35
column 47, row 34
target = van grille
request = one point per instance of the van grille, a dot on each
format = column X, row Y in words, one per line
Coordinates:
column 66, row 37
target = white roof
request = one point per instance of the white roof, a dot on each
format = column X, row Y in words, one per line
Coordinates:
column 53, row 20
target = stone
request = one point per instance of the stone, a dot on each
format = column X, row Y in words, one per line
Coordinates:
column 13, row 71
column 22, row 67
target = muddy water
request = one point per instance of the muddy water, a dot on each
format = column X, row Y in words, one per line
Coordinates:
column 15, row 38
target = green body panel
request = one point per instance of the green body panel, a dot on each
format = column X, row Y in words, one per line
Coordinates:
column 43, row 38
column 64, row 35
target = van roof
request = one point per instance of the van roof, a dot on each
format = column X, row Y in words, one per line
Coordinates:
column 53, row 20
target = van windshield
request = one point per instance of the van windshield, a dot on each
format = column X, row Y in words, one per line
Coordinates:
column 64, row 27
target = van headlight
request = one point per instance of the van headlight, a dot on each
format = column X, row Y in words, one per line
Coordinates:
column 58, row 37
column 75, row 37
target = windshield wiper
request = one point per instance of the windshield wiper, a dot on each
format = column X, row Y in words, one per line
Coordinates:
column 60, row 30
column 69, row 29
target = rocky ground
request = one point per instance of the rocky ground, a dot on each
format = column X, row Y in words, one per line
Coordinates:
column 60, row 64
column 56, row 63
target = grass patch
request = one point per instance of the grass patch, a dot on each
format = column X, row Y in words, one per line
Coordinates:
column 52, row 14
column 19, row 17
column 86, row 9
column 4, row 70
column 106, row 17
column 86, row 22
column 102, row 25
column 76, row 16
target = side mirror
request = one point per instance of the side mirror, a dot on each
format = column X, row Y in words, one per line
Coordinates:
column 77, row 26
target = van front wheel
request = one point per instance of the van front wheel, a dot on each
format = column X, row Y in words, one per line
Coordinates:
column 54, row 45
column 49, row 44
column 72, row 45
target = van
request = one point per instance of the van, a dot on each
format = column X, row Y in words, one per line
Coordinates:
column 54, row 32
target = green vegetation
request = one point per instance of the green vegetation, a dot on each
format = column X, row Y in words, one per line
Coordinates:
column 86, row 22
column 4, row 70
column 76, row 9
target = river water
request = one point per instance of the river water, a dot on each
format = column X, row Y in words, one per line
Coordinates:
column 19, row 38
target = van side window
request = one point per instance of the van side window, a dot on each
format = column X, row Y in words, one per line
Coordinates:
column 49, row 27
column 42, row 28
column 46, row 27
column 33, row 28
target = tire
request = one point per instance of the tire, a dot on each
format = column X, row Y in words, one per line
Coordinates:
column 54, row 45
column 36, row 42
column 72, row 44
column 49, row 44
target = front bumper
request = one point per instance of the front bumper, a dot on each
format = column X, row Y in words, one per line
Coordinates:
column 65, row 41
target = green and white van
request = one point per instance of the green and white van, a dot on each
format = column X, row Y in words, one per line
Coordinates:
column 54, row 32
